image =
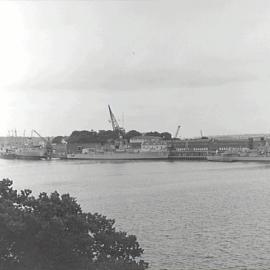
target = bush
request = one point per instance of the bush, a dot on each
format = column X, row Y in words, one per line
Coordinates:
column 52, row 233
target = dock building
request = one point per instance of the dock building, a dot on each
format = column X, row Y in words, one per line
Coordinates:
column 199, row 148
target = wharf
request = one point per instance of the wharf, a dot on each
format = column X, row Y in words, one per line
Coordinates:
column 188, row 155
column 187, row 158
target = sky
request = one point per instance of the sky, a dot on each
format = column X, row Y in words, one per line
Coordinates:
column 203, row 65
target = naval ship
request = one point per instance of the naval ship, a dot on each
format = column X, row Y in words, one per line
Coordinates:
column 262, row 154
column 119, row 155
column 28, row 150
column 24, row 152
column 151, row 148
column 32, row 152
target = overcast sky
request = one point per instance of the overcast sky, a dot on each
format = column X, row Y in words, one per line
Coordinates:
column 201, row 64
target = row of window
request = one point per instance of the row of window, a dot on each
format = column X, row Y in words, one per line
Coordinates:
column 228, row 148
column 193, row 149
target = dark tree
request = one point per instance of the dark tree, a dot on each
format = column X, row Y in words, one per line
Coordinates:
column 164, row 135
column 52, row 233
column 104, row 136
column 58, row 139
column 86, row 136
column 83, row 136
column 131, row 134
column 107, row 135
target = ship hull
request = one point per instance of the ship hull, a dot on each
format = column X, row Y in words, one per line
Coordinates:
column 7, row 156
column 220, row 159
column 120, row 156
column 21, row 156
column 239, row 159
column 29, row 157
column 30, row 154
column 252, row 159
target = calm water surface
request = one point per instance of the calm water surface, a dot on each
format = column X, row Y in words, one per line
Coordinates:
column 186, row 215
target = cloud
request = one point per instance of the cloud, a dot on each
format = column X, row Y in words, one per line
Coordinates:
column 205, row 73
column 128, row 45
column 155, row 60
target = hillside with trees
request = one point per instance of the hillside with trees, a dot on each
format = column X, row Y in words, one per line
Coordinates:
column 103, row 136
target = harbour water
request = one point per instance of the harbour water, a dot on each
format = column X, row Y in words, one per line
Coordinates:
column 186, row 215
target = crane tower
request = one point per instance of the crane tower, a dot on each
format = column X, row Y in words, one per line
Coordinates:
column 114, row 123
column 177, row 131
column 48, row 144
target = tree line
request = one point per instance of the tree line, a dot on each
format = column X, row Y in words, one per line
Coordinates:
column 104, row 136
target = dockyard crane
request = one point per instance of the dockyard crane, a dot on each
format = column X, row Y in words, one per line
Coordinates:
column 177, row 131
column 43, row 139
column 47, row 142
column 115, row 124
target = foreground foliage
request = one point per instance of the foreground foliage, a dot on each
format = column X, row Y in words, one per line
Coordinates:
column 52, row 233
